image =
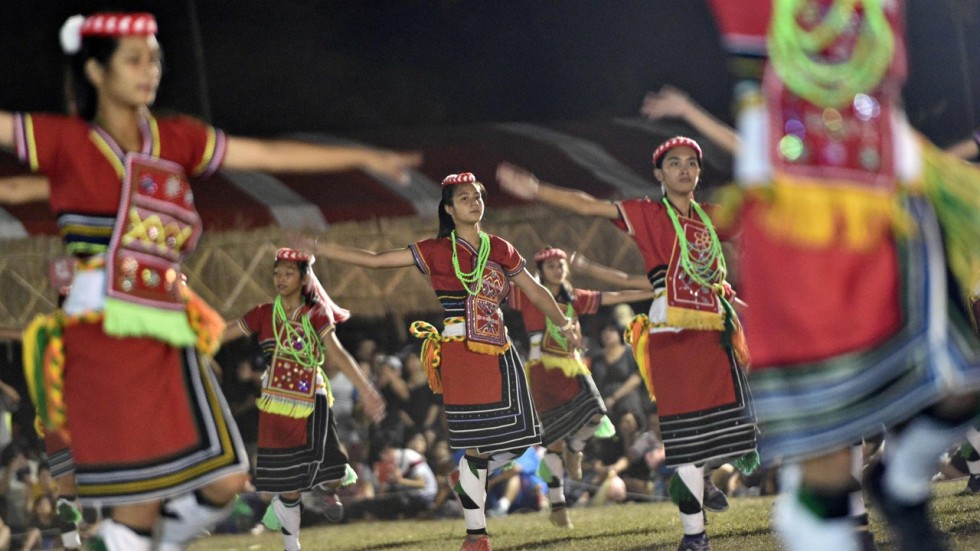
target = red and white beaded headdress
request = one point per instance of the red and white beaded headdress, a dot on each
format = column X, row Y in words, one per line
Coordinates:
column 111, row 25
column 551, row 252
column 461, row 178
column 336, row 313
column 676, row 141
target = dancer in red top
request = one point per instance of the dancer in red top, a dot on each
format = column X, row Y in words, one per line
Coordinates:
column 686, row 348
column 487, row 401
column 565, row 396
column 119, row 184
column 298, row 444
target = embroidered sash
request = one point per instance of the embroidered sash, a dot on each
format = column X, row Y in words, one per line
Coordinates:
column 156, row 226
column 289, row 388
column 689, row 304
column 485, row 329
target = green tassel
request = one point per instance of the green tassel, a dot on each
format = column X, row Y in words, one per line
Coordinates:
column 543, row 471
column 125, row 319
column 748, row 463
column 966, row 450
column 270, row 520
column 678, row 491
column 350, row 476
column 606, row 428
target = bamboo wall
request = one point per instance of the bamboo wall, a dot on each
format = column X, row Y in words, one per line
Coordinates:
column 232, row 270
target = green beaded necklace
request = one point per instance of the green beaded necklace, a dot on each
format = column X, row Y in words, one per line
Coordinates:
column 709, row 271
column 555, row 331
column 290, row 342
column 476, row 276
column 792, row 49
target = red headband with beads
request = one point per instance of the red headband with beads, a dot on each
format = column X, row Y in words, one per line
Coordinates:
column 461, row 178
column 119, row 24
column 292, row 255
column 553, row 252
column 676, row 141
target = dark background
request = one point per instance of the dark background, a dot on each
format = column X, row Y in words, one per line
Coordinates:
column 356, row 67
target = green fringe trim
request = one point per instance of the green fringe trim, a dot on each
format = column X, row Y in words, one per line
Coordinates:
column 543, row 471
column 350, row 476
column 966, row 450
column 748, row 463
column 270, row 520
column 606, row 428
column 678, row 491
column 288, row 407
column 125, row 319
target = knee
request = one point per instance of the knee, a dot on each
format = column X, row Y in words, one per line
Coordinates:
column 224, row 490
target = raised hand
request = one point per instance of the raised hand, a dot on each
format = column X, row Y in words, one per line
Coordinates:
column 517, row 181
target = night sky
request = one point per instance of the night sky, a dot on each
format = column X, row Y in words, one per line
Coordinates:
column 355, row 67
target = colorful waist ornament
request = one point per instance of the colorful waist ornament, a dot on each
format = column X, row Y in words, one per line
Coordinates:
column 156, row 227
column 289, row 388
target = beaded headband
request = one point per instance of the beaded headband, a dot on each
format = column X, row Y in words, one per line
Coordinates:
column 676, row 141
column 461, row 178
column 336, row 313
column 552, row 252
column 111, row 25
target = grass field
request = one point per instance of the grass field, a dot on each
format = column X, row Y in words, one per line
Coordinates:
column 627, row 527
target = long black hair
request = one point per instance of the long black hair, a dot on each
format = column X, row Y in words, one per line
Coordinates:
column 446, row 224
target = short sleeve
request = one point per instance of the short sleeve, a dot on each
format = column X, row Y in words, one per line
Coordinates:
column 422, row 253
column 198, row 147
column 586, row 302
column 39, row 138
column 507, row 256
column 251, row 322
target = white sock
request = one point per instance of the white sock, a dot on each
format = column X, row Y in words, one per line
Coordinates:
column 289, row 514
column 693, row 477
column 119, row 537
column 184, row 519
column 503, row 504
column 973, row 436
column 857, row 467
column 556, row 486
column 473, row 480
column 912, row 458
column 801, row 530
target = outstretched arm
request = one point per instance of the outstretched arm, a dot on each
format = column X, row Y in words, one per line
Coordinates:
column 374, row 404
column 17, row 190
column 582, row 265
column 671, row 102
column 6, row 130
column 968, row 149
column 395, row 258
column 521, row 183
column 297, row 156
column 545, row 302
column 619, row 297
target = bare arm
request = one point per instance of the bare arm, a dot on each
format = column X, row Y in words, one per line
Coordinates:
column 336, row 354
column 619, row 297
column 6, row 130
column 297, row 156
column 966, row 149
column 233, row 330
column 582, row 265
column 671, row 102
column 17, row 190
column 523, row 184
column 395, row 258
column 545, row 302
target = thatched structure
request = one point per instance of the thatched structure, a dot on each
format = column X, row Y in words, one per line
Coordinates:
column 232, row 270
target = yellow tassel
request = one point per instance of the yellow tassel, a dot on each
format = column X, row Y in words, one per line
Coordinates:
column 694, row 319
column 815, row 214
column 488, row 349
column 571, row 366
column 637, row 335
column 205, row 321
column 431, row 354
